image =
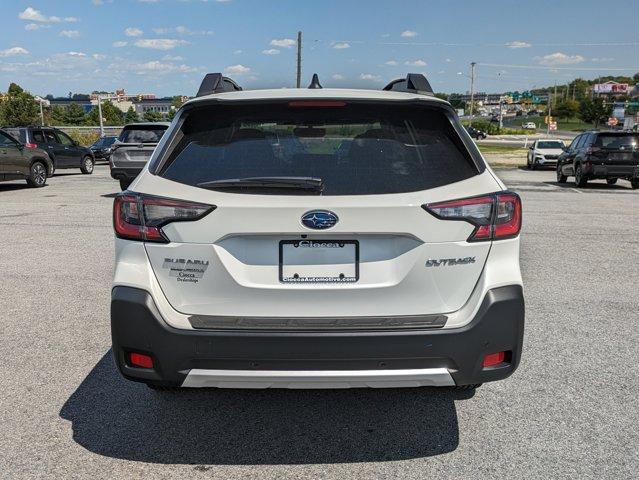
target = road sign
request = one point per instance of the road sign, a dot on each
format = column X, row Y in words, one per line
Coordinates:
column 552, row 126
column 548, row 119
column 612, row 121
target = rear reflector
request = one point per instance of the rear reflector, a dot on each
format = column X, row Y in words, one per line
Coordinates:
column 141, row 217
column 140, row 360
column 31, row 145
column 495, row 217
column 493, row 359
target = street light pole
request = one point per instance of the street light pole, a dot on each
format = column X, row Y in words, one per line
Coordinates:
column 41, row 113
column 100, row 115
column 472, row 90
column 299, row 60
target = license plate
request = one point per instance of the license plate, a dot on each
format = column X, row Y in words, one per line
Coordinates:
column 319, row 261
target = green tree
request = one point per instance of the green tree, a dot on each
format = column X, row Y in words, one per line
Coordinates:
column 171, row 115
column 151, row 116
column 177, row 101
column 19, row 108
column 131, row 116
column 111, row 115
column 594, row 111
column 567, row 109
column 58, row 115
column 74, row 114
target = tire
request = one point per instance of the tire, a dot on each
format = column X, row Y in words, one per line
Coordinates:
column 124, row 183
column 87, row 165
column 37, row 175
column 561, row 178
column 634, row 183
column 533, row 164
column 611, row 181
column 580, row 180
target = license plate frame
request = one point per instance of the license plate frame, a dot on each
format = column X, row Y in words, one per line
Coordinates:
column 319, row 280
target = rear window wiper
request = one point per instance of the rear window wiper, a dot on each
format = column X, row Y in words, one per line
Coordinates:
column 310, row 184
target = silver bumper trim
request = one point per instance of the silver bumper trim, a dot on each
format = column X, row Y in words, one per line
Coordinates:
column 435, row 377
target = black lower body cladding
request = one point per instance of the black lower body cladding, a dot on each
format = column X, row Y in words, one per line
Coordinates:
column 137, row 326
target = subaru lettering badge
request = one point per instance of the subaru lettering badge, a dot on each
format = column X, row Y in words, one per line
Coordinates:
column 319, row 219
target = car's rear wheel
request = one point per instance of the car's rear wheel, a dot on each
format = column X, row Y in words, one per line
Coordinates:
column 634, row 183
column 611, row 181
column 87, row 165
column 580, row 179
column 124, row 183
column 561, row 178
column 37, row 175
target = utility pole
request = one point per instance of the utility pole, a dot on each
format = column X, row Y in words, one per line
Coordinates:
column 41, row 113
column 100, row 115
column 299, row 59
column 472, row 90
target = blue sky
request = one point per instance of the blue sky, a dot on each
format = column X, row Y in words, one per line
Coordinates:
column 166, row 46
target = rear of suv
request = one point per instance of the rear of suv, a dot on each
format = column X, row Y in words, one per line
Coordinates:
column 601, row 155
column 317, row 238
column 63, row 151
column 132, row 150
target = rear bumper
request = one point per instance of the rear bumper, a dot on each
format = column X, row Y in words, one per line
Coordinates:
column 623, row 171
column 125, row 173
column 259, row 359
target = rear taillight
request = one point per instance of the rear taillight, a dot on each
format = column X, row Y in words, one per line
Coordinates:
column 495, row 217
column 141, row 217
column 31, row 145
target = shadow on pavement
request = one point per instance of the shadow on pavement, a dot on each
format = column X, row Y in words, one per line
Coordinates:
column 591, row 186
column 114, row 417
column 8, row 187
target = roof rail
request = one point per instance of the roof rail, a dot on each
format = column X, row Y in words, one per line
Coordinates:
column 413, row 83
column 217, row 83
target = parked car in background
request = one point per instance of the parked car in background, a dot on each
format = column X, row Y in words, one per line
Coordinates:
column 102, row 147
column 601, row 155
column 63, row 151
column 529, row 126
column 133, row 148
column 391, row 262
column 21, row 162
column 544, row 153
column 475, row 133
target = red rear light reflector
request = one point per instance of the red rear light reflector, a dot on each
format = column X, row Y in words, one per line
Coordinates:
column 493, row 359
column 31, row 145
column 140, row 360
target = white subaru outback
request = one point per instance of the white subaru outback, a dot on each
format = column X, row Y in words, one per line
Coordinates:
column 317, row 238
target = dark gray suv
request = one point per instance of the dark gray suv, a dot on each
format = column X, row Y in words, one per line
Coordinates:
column 21, row 162
column 63, row 151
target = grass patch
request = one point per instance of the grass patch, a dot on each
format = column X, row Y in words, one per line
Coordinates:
column 503, row 149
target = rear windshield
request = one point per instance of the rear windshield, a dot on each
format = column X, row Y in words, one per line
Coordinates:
column 355, row 149
column 142, row 134
column 550, row 145
column 618, row 140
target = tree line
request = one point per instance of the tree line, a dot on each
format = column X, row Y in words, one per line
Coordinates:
column 19, row 108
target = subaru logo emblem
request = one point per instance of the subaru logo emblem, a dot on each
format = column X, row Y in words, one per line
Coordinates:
column 319, row 219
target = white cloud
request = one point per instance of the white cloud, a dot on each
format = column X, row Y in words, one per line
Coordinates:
column 271, row 51
column 30, row 14
column 409, row 34
column 237, row 52
column 341, row 45
column 33, row 26
column 70, row 33
column 98, row 56
column 13, row 52
column 518, row 44
column 391, row 63
column 237, row 69
column 559, row 58
column 370, row 76
column 283, row 42
column 133, row 32
column 97, row 3
column 76, row 54
column 159, row 43
column 337, row 76
column 448, row 60
column 415, row 63
column 172, row 58
column 120, row 44
column 602, row 59
column 156, row 66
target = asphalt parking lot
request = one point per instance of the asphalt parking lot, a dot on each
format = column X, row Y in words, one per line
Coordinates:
column 570, row 411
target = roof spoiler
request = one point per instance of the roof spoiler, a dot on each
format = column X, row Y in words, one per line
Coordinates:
column 217, row 83
column 413, row 83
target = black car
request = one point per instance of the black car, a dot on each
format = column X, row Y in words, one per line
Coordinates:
column 63, row 151
column 102, row 147
column 21, row 162
column 475, row 133
column 601, row 155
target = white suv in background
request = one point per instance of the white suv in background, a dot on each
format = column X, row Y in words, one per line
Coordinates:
column 317, row 238
column 544, row 152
